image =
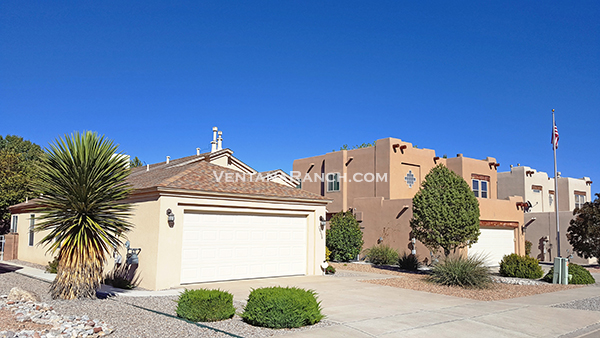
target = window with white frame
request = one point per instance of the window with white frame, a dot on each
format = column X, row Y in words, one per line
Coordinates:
column 550, row 199
column 15, row 221
column 579, row 200
column 480, row 188
column 333, row 182
column 31, row 225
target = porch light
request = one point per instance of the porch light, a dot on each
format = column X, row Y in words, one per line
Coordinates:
column 322, row 222
column 170, row 218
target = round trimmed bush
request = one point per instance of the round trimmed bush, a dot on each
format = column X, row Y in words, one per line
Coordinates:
column 514, row 265
column 467, row 272
column 580, row 275
column 205, row 305
column 382, row 255
column 278, row 307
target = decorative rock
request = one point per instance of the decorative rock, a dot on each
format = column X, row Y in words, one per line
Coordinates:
column 516, row 281
column 17, row 294
column 62, row 326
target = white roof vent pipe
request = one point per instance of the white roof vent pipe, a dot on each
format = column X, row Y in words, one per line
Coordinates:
column 197, row 151
column 147, row 167
column 213, row 143
column 168, row 158
column 220, row 141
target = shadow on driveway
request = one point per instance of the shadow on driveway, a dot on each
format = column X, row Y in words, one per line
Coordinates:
column 5, row 268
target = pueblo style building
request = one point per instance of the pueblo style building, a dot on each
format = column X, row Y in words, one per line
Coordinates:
column 378, row 183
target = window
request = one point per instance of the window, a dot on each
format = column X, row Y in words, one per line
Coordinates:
column 299, row 186
column 579, row 200
column 480, row 188
column 333, row 182
column 31, row 224
column 551, row 198
column 15, row 220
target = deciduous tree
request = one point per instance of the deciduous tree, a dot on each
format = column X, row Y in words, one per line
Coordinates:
column 19, row 161
column 584, row 231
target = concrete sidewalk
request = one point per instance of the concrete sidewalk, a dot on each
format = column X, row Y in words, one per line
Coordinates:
column 105, row 290
column 27, row 271
column 370, row 310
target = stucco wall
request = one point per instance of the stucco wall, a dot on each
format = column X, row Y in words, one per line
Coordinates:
column 36, row 253
column 388, row 220
column 545, row 225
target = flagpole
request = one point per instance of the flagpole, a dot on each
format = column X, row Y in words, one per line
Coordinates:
column 554, row 144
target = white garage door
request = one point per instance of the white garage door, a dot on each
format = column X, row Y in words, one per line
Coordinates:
column 494, row 244
column 229, row 246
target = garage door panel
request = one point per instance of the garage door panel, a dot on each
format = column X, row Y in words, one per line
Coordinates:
column 229, row 246
column 493, row 244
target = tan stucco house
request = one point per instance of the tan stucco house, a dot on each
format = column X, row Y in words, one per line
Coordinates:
column 228, row 223
column 537, row 189
column 378, row 183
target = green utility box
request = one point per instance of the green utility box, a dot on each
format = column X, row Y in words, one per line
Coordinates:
column 561, row 271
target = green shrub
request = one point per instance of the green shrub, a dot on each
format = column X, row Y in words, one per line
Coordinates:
column 205, row 305
column 278, row 307
column 344, row 237
column 119, row 278
column 330, row 270
column 382, row 255
column 409, row 262
column 469, row 272
column 528, row 246
column 514, row 265
column 579, row 273
column 52, row 267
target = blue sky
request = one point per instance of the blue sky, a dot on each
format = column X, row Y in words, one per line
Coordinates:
column 293, row 79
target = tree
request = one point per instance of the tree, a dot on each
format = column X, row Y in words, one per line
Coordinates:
column 344, row 237
column 19, row 161
column 83, row 186
column 135, row 162
column 584, row 231
column 445, row 212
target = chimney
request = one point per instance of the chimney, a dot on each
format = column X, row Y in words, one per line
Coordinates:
column 168, row 158
column 220, row 141
column 197, row 151
column 213, row 143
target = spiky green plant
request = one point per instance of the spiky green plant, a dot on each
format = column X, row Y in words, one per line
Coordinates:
column 83, row 185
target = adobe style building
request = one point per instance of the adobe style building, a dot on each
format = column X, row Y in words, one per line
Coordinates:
column 378, row 183
column 207, row 217
column 538, row 190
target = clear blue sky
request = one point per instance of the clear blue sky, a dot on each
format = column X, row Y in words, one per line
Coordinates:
column 286, row 80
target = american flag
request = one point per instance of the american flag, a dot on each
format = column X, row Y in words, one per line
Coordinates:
column 554, row 140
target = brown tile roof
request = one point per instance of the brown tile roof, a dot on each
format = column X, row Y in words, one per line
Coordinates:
column 187, row 174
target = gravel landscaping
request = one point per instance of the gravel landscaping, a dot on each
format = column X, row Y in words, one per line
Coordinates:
column 416, row 281
column 142, row 316
column 590, row 304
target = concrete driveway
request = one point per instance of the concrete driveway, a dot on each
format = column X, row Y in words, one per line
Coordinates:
column 368, row 310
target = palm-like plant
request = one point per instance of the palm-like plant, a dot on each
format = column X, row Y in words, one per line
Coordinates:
column 83, row 185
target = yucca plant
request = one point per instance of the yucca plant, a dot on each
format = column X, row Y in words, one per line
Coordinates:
column 82, row 186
